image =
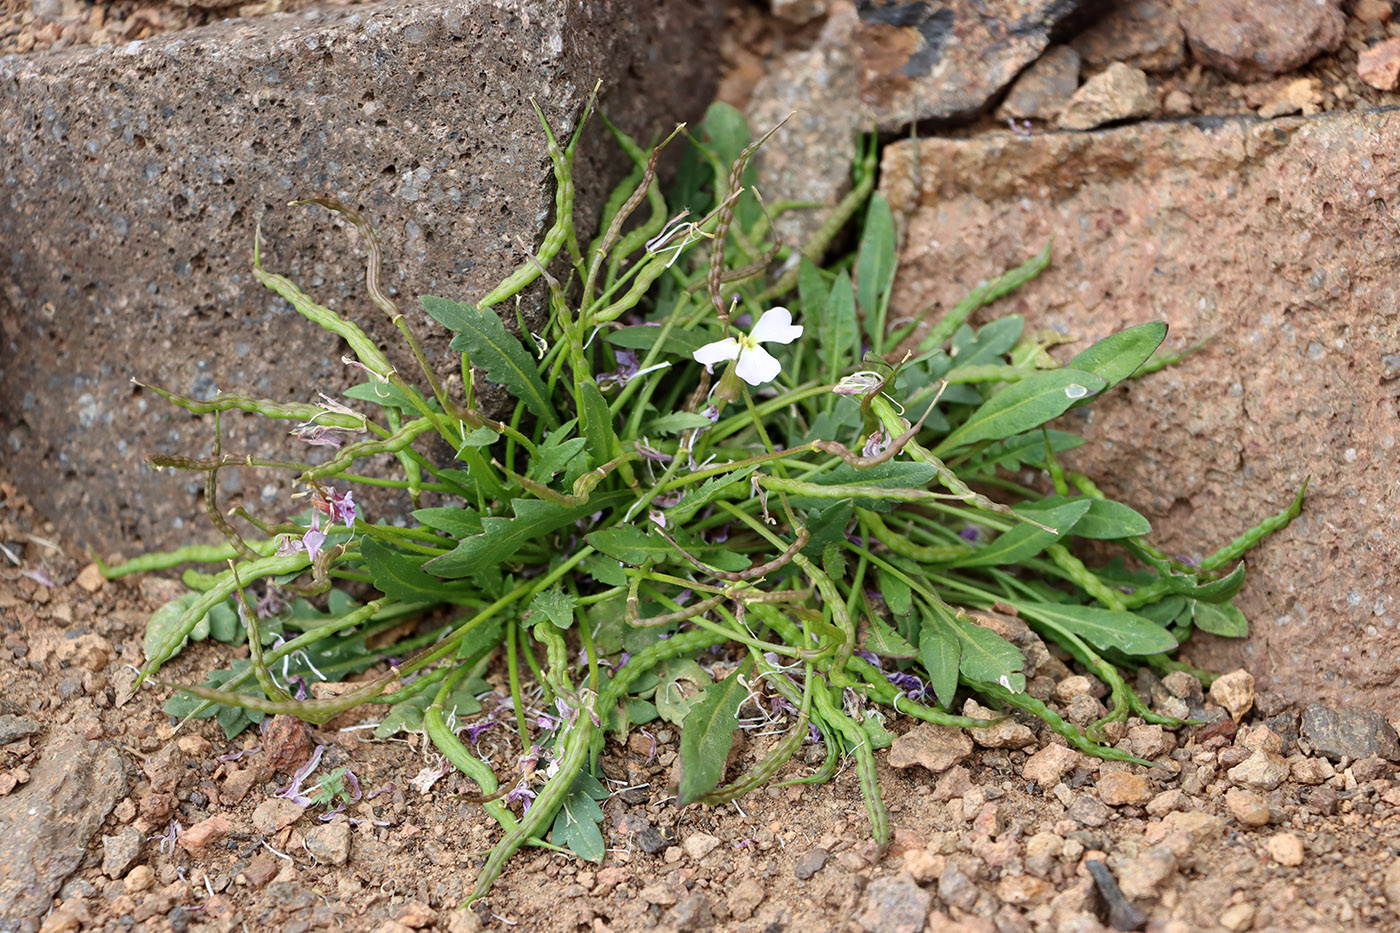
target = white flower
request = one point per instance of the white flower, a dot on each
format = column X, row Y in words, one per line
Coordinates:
column 754, row 364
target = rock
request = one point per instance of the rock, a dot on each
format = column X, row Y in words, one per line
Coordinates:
column 659, row 893
column 809, row 863
column 924, row 866
column 1008, row 733
column 1249, row 809
column 197, row 839
column 1302, row 95
column 50, row 821
column 693, row 913
column 139, row 879
column 287, row 743
column 956, row 888
column 1237, row 918
column 744, row 899
column 1310, row 770
column 653, row 840
column 1261, row 738
column 1253, row 190
column 1084, row 709
column 1165, row 802
column 798, row 12
column 1116, row 93
column 1286, row 849
column 1349, row 733
column 1141, row 876
column 274, row 814
column 1046, row 766
column 14, row 728
column 699, row 845
column 1252, row 39
column 456, row 158
column 1149, row 741
column 1023, row 890
column 330, row 842
column 887, row 64
column 936, row 748
column 90, row 578
column 1123, row 788
column 1141, row 33
column 1324, row 800
column 1372, row 11
column 120, row 851
column 1122, row 915
column 1182, row 685
column 1234, row 692
column 1043, row 89
column 1087, row 811
column 1379, row 66
column 1200, row 826
column 1391, row 884
column 1072, row 686
column 894, row 905
column 1260, row 771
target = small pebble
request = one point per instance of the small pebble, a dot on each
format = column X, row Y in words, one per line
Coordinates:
column 1248, row 808
column 699, row 845
column 809, row 863
column 1235, row 692
column 1238, row 918
column 1286, row 849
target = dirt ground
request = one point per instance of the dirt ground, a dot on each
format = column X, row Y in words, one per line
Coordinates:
column 1234, row 827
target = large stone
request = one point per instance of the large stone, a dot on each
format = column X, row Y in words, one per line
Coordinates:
column 887, row 64
column 46, row 826
column 1253, row 39
column 1273, row 238
column 132, row 179
column 1347, row 733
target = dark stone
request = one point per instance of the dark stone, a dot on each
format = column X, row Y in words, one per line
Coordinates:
column 14, row 728
column 692, row 913
column 49, row 822
column 1323, row 800
column 653, row 840
column 809, row 863
column 894, row 905
column 1122, row 915
column 134, row 176
column 1349, row 733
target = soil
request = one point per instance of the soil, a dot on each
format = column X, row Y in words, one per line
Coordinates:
column 1236, row 826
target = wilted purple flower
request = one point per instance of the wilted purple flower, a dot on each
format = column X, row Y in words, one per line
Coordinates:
column 858, row 383
column 343, row 507
column 876, row 444
column 651, row 453
column 474, row 731
column 270, row 604
column 971, row 533
column 234, row 756
column 522, row 792
column 318, row 435
column 910, row 684
column 40, row 576
column 293, row 791
column 868, row 656
column 167, row 838
column 386, row 789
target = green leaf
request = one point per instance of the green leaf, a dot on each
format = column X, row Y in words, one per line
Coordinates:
column 886, row 642
column 502, row 537
column 605, row 570
column 597, row 423
column 630, row 544
column 680, row 343
column 673, row 701
column 1164, row 612
column 896, row 593
column 385, row 394
column 458, row 522
column 827, row 526
column 875, row 263
column 1104, row 628
column 556, row 605
column 676, row 422
column 1222, row 590
column 1022, row 406
column 811, row 288
column 1014, row 452
column 483, row 336
column 576, row 825
column 224, row 624
column 992, row 343
column 940, row 650
column 400, row 576
column 1025, row 541
column 701, row 496
column 165, row 622
column 1119, row 355
column 1219, row 619
column 838, row 331
column 1105, row 520
column 987, row 656
column 707, row 736
column 551, row 457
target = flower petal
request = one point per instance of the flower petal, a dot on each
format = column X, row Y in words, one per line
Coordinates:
column 775, row 327
column 313, row 539
column 757, row 366
column 717, row 352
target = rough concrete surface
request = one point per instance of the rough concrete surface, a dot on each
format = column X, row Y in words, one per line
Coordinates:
column 1280, row 239
column 132, row 179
